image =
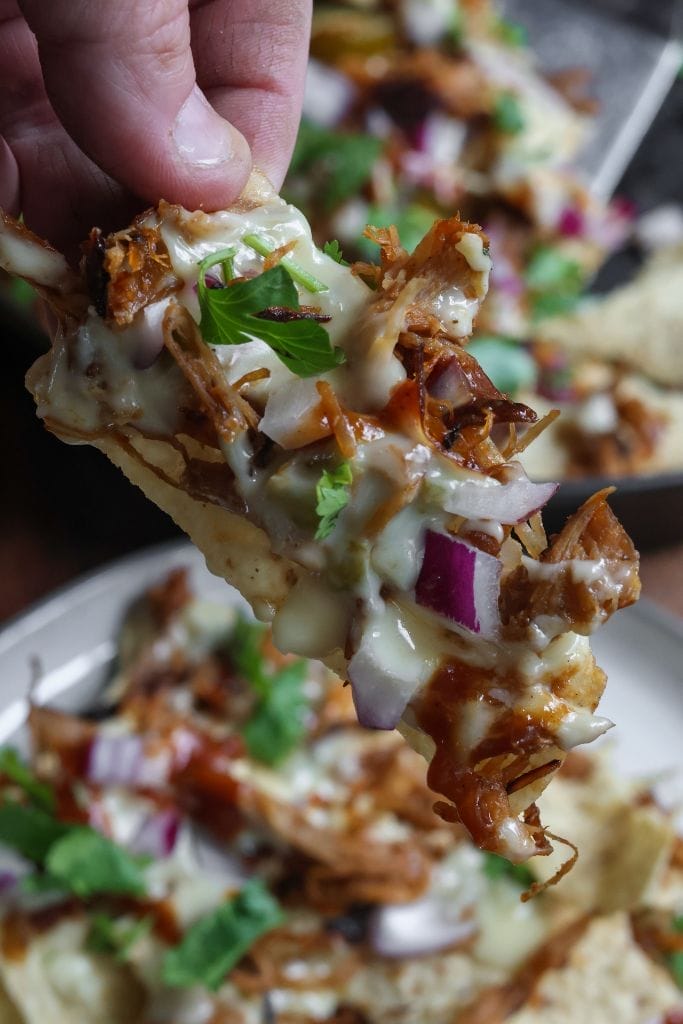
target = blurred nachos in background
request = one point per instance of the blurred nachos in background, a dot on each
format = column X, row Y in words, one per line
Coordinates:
column 215, row 840
column 416, row 109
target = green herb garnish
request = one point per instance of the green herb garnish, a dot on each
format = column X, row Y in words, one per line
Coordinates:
column 87, row 863
column 114, row 936
column 212, row 946
column 338, row 163
column 229, row 316
column 15, row 769
column 29, row 830
column 74, row 858
column 333, row 250
column 507, row 114
column 554, row 280
column 278, row 720
column 506, row 362
column 295, row 270
column 332, row 492
column 511, row 32
column 498, row 867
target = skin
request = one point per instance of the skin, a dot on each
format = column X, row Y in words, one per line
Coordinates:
column 109, row 105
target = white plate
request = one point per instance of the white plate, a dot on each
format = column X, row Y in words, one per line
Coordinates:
column 68, row 644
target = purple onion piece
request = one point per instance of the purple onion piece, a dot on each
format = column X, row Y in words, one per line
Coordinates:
column 461, row 583
column 419, row 928
column 380, row 695
column 157, row 835
column 121, row 761
column 512, row 502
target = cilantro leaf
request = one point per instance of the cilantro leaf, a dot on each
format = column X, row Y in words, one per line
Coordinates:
column 15, row 769
column 279, row 719
column 554, row 280
column 512, row 33
column 507, row 114
column 245, row 649
column 338, row 163
column 675, row 962
column 212, row 946
column 333, row 250
column 229, row 317
column 507, row 363
column 88, row 863
column 497, row 867
column 332, row 492
column 109, row 935
column 29, row 830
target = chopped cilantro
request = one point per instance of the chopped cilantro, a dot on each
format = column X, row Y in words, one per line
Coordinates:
column 554, row 280
column 295, row 270
column 507, row 114
column 87, row 863
column 245, row 649
column 675, row 961
column 229, row 316
column 15, row 769
column 511, row 32
column 212, row 946
column 508, row 364
column 338, row 163
column 279, row 719
column 333, row 250
column 332, row 492
column 71, row 857
column 29, row 830
column 498, row 867
column 23, row 294
column 111, row 935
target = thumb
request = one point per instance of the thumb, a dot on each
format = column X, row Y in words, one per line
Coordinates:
column 122, row 80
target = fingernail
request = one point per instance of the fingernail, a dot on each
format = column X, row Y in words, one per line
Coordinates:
column 201, row 136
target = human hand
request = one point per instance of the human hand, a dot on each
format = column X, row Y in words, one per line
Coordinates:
column 114, row 103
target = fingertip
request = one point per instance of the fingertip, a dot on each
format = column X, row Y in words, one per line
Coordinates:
column 211, row 158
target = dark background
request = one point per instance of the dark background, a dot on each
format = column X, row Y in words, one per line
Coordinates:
column 65, row 510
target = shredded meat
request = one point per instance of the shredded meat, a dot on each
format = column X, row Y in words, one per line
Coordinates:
column 227, row 410
column 593, row 534
column 136, row 267
column 623, row 451
column 345, row 868
column 497, row 1004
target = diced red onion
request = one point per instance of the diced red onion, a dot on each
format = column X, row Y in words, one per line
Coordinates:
column 184, row 743
column 512, row 502
column 418, row 928
column 380, row 691
column 146, row 335
column 157, row 835
column 13, row 868
column 571, row 222
column 425, row 22
column 293, row 416
column 122, row 761
column 441, row 138
column 328, row 94
column 460, row 582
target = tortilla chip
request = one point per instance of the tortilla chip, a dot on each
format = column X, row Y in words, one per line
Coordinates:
column 607, row 979
column 58, row 982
